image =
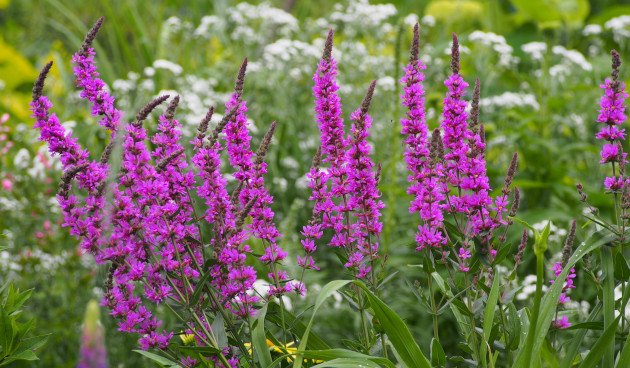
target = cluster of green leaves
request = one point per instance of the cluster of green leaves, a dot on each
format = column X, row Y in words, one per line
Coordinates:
column 15, row 341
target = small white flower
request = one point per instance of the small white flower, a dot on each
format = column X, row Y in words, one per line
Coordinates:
column 620, row 27
column 535, row 49
column 22, row 158
column 168, row 65
column 411, row 20
column 592, row 29
column 573, row 56
column 428, row 20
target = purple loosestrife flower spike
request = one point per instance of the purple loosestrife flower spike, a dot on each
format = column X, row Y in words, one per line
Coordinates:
column 83, row 222
column 313, row 230
column 334, row 145
column 612, row 115
column 364, row 194
column 425, row 172
column 558, row 266
column 465, row 159
column 251, row 175
column 93, row 87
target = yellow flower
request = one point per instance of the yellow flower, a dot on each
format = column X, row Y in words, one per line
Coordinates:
column 187, row 339
column 283, row 349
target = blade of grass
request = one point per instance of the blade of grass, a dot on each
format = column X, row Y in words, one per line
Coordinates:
column 259, row 341
column 488, row 317
column 606, row 340
column 327, row 291
column 398, row 333
column 572, row 350
column 609, row 300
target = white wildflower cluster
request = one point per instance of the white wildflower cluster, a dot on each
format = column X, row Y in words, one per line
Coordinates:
column 168, row 65
column 498, row 44
column 285, row 51
column 264, row 17
column 620, row 27
column 41, row 261
column 175, row 26
column 536, row 50
column 360, row 15
column 573, row 57
column 592, row 30
column 509, row 100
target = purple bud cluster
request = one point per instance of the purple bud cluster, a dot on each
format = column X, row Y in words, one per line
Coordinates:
column 346, row 195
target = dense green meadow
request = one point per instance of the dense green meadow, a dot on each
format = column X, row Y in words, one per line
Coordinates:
column 540, row 63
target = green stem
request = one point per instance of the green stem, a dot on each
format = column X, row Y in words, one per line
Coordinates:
column 533, row 321
column 433, row 308
column 609, row 300
column 471, row 318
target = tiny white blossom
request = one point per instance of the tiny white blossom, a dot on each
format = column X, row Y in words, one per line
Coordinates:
column 535, row 49
column 168, row 65
column 592, row 29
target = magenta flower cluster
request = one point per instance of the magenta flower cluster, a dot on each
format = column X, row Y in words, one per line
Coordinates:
column 612, row 115
column 563, row 322
column 346, row 195
column 448, row 170
column 143, row 220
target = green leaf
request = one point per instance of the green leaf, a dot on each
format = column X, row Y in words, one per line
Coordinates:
column 540, row 239
column 524, row 223
column 21, row 298
column 501, row 254
column 488, row 317
column 576, row 341
column 296, row 326
column 259, row 341
column 218, row 327
column 31, row 344
column 206, row 351
column 397, row 331
column 348, row 363
column 622, row 272
column 608, row 337
column 624, row 358
column 6, row 331
column 481, row 252
column 608, row 293
column 514, row 328
column 23, row 355
column 550, row 300
column 328, row 290
column 158, row 359
column 438, row 358
column 199, row 289
column 331, row 354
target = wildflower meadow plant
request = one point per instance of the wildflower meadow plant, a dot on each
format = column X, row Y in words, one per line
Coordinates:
column 177, row 236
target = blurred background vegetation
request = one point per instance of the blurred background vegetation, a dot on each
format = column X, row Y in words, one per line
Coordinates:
column 540, row 63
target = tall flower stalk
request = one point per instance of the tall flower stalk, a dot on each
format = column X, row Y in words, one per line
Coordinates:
column 350, row 205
